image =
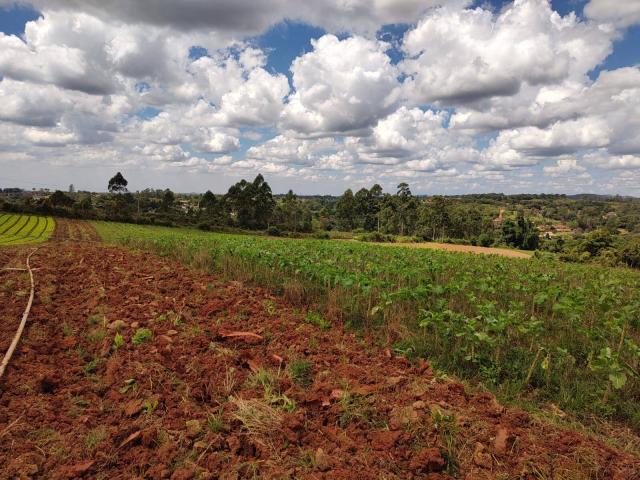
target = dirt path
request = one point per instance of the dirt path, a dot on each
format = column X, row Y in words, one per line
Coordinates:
column 450, row 247
column 186, row 402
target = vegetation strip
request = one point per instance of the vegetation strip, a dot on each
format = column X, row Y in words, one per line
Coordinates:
column 26, row 230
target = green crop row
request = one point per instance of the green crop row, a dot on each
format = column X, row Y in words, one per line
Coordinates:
column 16, row 229
column 532, row 330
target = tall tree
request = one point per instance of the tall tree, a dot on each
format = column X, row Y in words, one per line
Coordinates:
column 117, row 183
column 346, row 210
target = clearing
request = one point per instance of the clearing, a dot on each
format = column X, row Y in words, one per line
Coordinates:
column 452, row 247
column 135, row 366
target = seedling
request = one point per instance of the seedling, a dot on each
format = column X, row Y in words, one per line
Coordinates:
column 150, row 406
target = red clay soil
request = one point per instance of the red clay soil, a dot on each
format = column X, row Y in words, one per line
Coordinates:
column 188, row 403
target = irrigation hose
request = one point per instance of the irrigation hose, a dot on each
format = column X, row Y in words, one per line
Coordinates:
column 25, row 315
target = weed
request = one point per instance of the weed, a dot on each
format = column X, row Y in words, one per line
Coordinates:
column 216, row 423
column 447, row 429
column 142, row 335
column 96, row 335
column 44, row 436
column 301, row 372
column 67, row 330
column 91, row 366
column 118, row 341
column 316, row 319
column 129, row 385
column 94, row 437
column 95, row 319
column 270, row 307
column 229, row 383
column 150, row 406
column 354, row 409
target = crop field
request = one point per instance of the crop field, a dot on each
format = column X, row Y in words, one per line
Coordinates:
column 18, row 229
column 555, row 336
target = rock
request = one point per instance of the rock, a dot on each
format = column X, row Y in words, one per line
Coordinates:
column 427, row 460
column 322, row 460
column 200, row 445
column 117, row 325
column 183, row 474
column 78, row 469
column 164, row 340
column 135, row 325
column 171, row 333
column 384, row 440
column 193, row 428
column 132, row 407
column 131, row 438
column 480, row 458
column 500, row 442
column 402, row 416
column 419, row 405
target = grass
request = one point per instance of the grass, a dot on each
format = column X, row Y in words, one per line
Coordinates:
column 94, row 437
column 256, row 416
column 531, row 330
column 301, row 372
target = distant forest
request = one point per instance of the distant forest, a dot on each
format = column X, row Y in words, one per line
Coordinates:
column 579, row 228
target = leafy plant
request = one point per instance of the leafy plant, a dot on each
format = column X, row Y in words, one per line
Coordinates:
column 118, row 341
column 142, row 335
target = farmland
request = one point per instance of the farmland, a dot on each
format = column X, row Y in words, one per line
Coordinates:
column 24, row 229
column 538, row 332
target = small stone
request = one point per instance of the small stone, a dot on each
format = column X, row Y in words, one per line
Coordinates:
column 135, row 324
column 172, row 332
column 193, row 428
column 500, row 442
column 164, row 340
column 419, row 405
column 402, row 416
column 427, row 460
column 384, row 440
column 183, row 474
column 480, row 458
column 116, row 325
column 322, row 460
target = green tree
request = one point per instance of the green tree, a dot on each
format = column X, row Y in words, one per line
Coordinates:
column 346, row 210
column 168, row 199
column 117, row 184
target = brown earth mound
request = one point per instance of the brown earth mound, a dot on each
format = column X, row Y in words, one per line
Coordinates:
column 230, row 382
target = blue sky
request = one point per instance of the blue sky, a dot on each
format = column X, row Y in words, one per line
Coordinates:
column 226, row 110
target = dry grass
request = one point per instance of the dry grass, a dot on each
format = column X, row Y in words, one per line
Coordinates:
column 256, row 417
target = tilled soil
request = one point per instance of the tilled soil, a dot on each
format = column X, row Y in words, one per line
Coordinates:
column 234, row 383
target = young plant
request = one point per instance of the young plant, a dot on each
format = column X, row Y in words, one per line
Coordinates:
column 142, row 335
column 118, row 341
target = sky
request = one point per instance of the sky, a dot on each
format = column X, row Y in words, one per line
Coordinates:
column 450, row 96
